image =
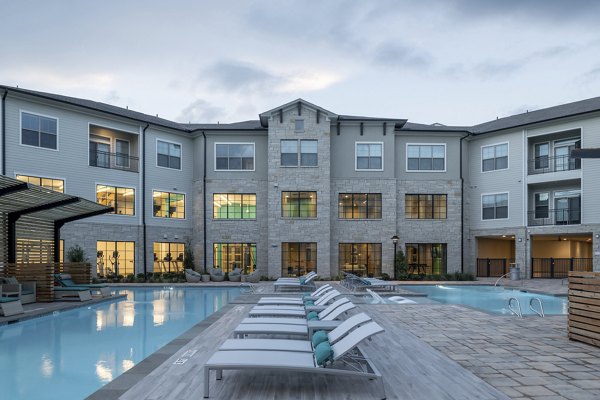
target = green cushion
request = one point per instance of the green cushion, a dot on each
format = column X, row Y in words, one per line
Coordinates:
column 302, row 280
column 318, row 338
column 323, row 353
column 26, row 292
column 309, row 303
column 8, row 299
column 306, row 296
column 312, row 316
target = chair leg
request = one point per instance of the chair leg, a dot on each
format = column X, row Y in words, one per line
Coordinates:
column 206, row 382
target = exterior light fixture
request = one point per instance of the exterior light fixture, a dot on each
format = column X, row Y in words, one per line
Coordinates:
column 395, row 240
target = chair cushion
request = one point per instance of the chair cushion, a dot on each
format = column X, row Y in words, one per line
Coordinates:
column 312, row 316
column 323, row 353
column 26, row 292
column 8, row 299
column 309, row 303
column 11, row 280
column 318, row 338
column 302, row 280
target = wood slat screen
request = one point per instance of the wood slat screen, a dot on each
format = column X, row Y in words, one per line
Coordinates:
column 584, row 307
column 35, row 240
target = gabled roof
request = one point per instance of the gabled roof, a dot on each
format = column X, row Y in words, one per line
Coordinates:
column 264, row 117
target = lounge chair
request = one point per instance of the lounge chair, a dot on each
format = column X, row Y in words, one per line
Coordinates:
column 25, row 291
column 217, row 275
column 329, row 314
column 10, row 305
column 73, row 293
column 235, row 275
column 322, row 300
column 292, row 311
column 343, row 358
column 300, row 284
column 297, row 278
column 354, row 283
column 317, row 294
column 65, row 280
column 297, row 345
column 192, row 276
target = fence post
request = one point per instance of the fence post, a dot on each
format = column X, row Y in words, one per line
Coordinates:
column 571, row 264
column 488, row 266
column 551, row 267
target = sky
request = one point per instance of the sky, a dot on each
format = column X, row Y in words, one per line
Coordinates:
column 455, row 62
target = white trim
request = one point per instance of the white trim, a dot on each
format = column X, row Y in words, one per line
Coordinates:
column 368, row 169
column 507, row 207
column 156, row 154
column 507, row 156
column 185, row 205
column 534, row 204
column 234, row 170
column 43, row 177
column 135, row 199
column 21, row 111
column 425, row 170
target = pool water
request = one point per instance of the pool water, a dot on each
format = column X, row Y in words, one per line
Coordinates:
column 490, row 298
column 70, row 355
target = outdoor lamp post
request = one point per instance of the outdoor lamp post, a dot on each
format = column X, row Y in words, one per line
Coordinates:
column 395, row 239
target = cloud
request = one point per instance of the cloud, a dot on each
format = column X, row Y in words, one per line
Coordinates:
column 235, row 75
column 201, row 111
column 399, row 55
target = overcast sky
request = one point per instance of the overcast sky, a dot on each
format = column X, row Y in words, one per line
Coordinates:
column 456, row 62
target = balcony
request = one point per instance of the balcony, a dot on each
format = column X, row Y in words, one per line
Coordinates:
column 120, row 161
column 562, row 216
column 546, row 164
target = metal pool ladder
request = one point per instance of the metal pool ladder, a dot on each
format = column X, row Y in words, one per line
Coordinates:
column 541, row 312
column 516, row 311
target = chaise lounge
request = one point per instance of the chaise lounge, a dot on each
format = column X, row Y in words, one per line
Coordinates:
column 66, row 281
column 296, row 283
column 24, row 291
column 10, row 305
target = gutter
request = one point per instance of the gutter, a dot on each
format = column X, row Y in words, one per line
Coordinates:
column 462, row 206
column 143, row 165
column 204, row 202
column 4, row 131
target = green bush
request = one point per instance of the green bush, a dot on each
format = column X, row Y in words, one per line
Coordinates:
column 76, row 254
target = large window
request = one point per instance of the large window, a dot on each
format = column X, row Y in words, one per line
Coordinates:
column 298, row 258
column 362, row 259
column 567, row 206
column 369, row 156
column 115, row 258
column 168, row 256
column 58, row 185
column 234, row 156
column 425, row 206
column 39, row 131
column 425, row 157
column 168, row 205
column 229, row 256
column 168, row 154
column 426, row 258
column 234, row 206
column 494, row 157
column 289, row 153
column 299, row 204
column 359, row 206
column 494, row 206
column 542, row 153
column 541, row 205
column 120, row 198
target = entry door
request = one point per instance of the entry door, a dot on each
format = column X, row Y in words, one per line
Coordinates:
column 100, row 154
column 568, row 210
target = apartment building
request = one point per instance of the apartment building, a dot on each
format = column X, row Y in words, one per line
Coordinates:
column 302, row 188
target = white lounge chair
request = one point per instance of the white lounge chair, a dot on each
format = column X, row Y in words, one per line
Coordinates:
column 342, row 307
column 293, row 284
column 333, row 359
column 298, row 278
column 327, row 297
column 322, row 290
column 291, row 311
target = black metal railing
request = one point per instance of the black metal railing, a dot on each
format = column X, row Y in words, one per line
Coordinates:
column 562, row 216
column 559, row 267
column 547, row 164
column 103, row 159
column 493, row 267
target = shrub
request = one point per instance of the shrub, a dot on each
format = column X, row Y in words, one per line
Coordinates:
column 76, row 254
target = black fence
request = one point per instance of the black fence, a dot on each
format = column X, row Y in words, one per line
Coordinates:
column 546, row 164
column 562, row 216
column 103, row 159
column 559, row 267
column 493, row 267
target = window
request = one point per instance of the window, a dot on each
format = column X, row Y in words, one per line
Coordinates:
column 234, row 156
column 542, row 151
column 425, row 206
column 369, row 156
column 494, row 157
column 562, row 155
column 168, row 205
column 39, row 131
column 234, row 206
column 58, row 185
column 359, row 206
column 425, row 157
column 168, row 256
column 121, row 199
column 495, row 206
column 567, row 207
column 541, row 205
column 122, row 156
column 299, row 204
column 363, row 259
column 115, row 258
column 289, row 153
column 229, row 256
column 299, row 125
column 168, row 154
column 426, row 258
column 298, row 258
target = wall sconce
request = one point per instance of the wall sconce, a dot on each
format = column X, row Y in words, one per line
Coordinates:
column 165, row 236
column 275, row 185
column 597, row 236
column 176, row 236
column 520, row 239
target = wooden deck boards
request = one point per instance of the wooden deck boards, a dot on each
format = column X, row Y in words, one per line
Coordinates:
column 411, row 369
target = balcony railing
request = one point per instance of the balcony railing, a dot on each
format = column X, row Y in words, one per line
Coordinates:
column 563, row 216
column 120, row 161
column 546, row 164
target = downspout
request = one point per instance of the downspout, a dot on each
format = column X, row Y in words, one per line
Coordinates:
column 4, row 132
column 462, row 207
column 143, row 165
column 204, row 201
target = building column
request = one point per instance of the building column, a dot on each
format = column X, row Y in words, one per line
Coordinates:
column 523, row 252
column 596, row 251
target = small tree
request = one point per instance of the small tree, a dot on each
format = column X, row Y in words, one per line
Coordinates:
column 188, row 256
column 400, row 265
column 76, row 254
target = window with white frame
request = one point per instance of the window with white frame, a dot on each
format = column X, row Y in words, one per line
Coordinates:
column 39, row 131
column 425, row 157
column 542, row 204
column 289, row 153
column 494, row 157
column 369, row 156
column 234, row 156
column 168, row 154
column 494, row 206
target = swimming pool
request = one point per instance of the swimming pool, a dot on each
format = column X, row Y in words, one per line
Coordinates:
column 490, row 298
column 72, row 354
